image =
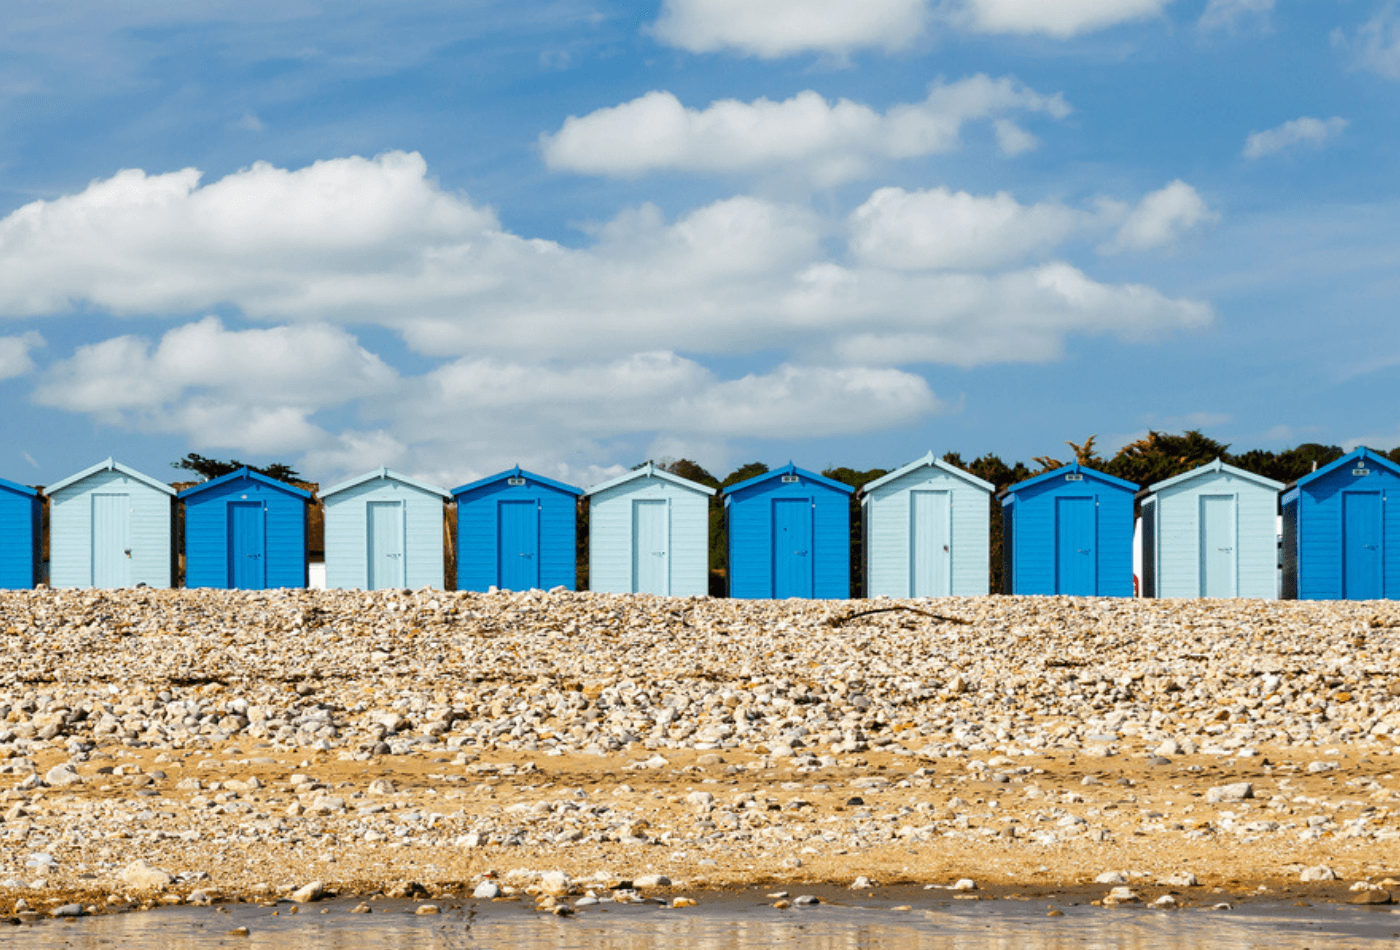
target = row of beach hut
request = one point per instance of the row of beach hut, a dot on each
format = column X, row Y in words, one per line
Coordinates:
column 1210, row 532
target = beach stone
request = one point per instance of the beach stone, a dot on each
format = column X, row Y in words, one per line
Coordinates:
column 861, row 883
column 68, row 910
column 142, row 876
column 1180, row 879
column 1317, row 873
column 1111, row 877
column 425, row 909
column 1121, row 895
column 309, row 893
column 61, row 776
column 651, row 880
column 964, row 884
column 555, row 883
column 1371, row 896
column 806, row 900
column 382, row 786
column 487, row 890
column 1235, row 792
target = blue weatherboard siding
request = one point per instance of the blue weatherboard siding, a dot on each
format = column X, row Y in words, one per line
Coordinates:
column 19, row 535
column 111, row 500
column 926, row 529
column 361, row 517
column 648, row 533
column 789, row 536
column 1069, row 532
column 1342, row 531
column 515, row 531
column 245, row 530
column 1211, row 532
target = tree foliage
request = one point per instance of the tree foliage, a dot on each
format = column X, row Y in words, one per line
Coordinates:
column 216, row 468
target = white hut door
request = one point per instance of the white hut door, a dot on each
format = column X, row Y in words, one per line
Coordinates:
column 930, row 544
column 385, row 552
column 111, row 540
column 1218, row 548
column 651, row 547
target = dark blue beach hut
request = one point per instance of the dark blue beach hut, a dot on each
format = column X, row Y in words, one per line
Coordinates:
column 1069, row 531
column 247, row 531
column 516, row 531
column 19, row 535
column 789, row 536
column 1341, row 531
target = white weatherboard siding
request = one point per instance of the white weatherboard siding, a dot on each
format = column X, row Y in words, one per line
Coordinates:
column 71, row 527
column 1178, row 539
column 890, row 533
column 612, row 560
column 347, row 533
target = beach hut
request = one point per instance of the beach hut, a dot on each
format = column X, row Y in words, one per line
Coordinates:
column 384, row 530
column 926, row 531
column 110, row 526
column 1210, row 532
column 246, row 531
column 516, row 531
column 789, row 536
column 648, row 533
column 19, row 535
column 1341, row 531
column 1069, row 531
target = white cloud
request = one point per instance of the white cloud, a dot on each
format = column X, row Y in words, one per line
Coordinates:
column 251, row 389
column 1162, row 218
column 828, row 142
column 14, row 354
column 774, row 28
column 1305, row 131
column 941, row 229
column 1057, row 18
column 1228, row 14
column 1376, row 45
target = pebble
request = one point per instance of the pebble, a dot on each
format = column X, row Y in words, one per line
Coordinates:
column 1111, row 877
column 805, row 900
column 308, row 893
column 1235, row 792
column 487, row 890
column 140, row 875
column 426, row 909
column 1318, row 873
column 1121, row 895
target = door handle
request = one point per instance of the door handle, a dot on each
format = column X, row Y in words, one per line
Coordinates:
column 127, row 552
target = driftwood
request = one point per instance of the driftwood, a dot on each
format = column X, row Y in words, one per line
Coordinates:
column 913, row 610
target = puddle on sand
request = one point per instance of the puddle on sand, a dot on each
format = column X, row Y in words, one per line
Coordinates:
column 730, row 923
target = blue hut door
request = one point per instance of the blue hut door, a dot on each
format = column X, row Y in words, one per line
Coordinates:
column 1218, row 562
column 1074, row 547
column 1361, row 545
column 930, row 547
column 111, row 540
column 246, row 564
column 385, row 546
column 651, row 549
column 792, row 547
column 519, row 545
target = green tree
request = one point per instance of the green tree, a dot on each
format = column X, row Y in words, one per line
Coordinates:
column 217, row 468
column 1290, row 464
column 1160, row 456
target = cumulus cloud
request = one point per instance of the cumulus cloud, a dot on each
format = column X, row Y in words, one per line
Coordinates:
column 555, row 355
column 776, row 28
column 1057, row 18
column 1162, row 218
column 14, row 353
column 1305, row 131
column 1229, row 14
column 828, row 141
column 251, row 389
column 942, row 229
column 1376, row 44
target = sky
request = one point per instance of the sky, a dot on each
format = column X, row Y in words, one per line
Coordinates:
column 452, row 236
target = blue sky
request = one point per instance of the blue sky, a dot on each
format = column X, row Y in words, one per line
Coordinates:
column 448, row 237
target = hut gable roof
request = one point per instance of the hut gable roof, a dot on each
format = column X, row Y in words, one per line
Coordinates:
column 649, row 471
column 516, row 472
column 248, row 473
column 388, row 475
column 1211, row 468
column 1072, row 469
column 1362, row 454
column 789, row 469
column 108, row 466
column 17, row 488
column 928, row 461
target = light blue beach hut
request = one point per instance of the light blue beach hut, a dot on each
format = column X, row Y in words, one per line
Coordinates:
column 648, row 533
column 1069, row 531
column 926, row 531
column 1341, row 530
column 110, row 526
column 384, row 530
column 516, row 531
column 19, row 535
column 245, row 531
column 789, row 536
column 1210, row 532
